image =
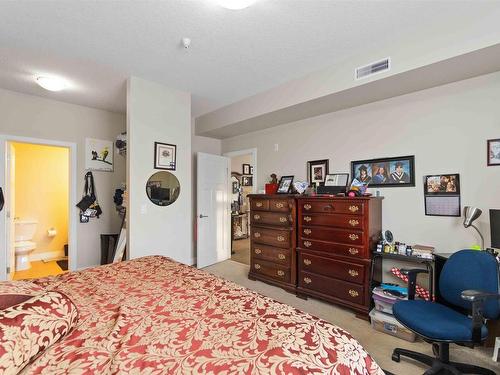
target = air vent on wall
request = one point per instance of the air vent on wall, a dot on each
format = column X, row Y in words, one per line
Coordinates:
column 373, row 68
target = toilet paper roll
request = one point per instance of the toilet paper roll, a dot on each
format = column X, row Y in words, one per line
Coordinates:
column 52, row 232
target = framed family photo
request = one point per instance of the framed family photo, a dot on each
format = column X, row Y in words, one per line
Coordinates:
column 493, row 152
column 385, row 172
column 285, row 185
column 444, row 184
column 317, row 171
column 165, row 156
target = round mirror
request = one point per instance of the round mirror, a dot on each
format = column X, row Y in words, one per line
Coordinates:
column 163, row 188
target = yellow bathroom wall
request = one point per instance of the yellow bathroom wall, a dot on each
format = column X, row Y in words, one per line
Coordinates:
column 42, row 192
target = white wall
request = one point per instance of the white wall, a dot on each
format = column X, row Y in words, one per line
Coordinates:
column 157, row 113
column 446, row 128
column 32, row 116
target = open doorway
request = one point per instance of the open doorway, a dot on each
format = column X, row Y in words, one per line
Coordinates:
column 38, row 195
column 243, row 183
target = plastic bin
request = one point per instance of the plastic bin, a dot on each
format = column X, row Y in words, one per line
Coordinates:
column 388, row 324
column 383, row 302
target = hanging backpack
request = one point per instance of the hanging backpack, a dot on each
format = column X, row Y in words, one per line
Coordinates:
column 88, row 205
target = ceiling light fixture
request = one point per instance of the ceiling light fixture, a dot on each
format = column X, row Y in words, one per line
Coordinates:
column 51, row 83
column 235, row 4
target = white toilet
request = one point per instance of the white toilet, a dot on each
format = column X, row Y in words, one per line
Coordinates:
column 24, row 230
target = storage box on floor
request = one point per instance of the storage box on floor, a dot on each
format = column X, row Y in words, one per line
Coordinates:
column 382, row 319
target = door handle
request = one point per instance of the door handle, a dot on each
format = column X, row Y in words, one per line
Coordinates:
column 202, row 216
column 2, row 201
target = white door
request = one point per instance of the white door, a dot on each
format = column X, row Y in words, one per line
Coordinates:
column 213, row 209
column 3, row 218
column 10, row 208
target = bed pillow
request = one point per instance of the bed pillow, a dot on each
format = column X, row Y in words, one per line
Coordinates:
column 29, row 328
column 15, row 292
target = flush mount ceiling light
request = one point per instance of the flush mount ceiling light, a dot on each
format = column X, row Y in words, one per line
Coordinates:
column 235, row 4
column 51, row 83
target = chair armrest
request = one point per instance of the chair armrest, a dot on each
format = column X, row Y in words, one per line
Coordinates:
column 477, row 298
column 412, row 280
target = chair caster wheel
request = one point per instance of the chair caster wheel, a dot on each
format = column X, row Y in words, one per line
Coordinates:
column 395, row 357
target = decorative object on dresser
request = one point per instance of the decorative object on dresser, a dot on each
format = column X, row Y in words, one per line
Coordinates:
column 285, row 185
column 273, row 240
column 317, row 171
column 334, row 184
column 335, row 239
column 385, row 172
column 272, row 185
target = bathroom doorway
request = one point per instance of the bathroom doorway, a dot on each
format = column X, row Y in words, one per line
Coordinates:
column 39, row 187
column 243, row 183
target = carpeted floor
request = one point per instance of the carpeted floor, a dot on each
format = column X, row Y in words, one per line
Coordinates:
column 378, row 344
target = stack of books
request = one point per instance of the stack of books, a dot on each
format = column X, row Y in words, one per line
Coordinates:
column 422, row 251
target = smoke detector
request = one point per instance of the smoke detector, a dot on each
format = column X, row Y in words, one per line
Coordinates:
column 186, row 42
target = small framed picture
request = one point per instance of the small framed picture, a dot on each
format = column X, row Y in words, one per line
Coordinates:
column 165, row 156
column 246, row 168
column 337, row 179
column 317, row 171
column 251, row 169
column 493, row 152
column 443, row 184
column 98, row 155
column 246, row 181
column 285, row 185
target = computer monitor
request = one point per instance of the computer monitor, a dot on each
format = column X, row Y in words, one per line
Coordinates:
column 495, row 228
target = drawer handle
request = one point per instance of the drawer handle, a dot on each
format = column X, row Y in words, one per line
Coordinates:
column 307, row 231
column 280, row 238
column 258, row 204
column 328, row 207
column 280, row 205
column 281, row 256
column 307, row 206
column 353, row 293
column 353, row 273
column 353, row 222
column 280, row 273
column 353, row 208
column 307, row 218
column 353, row 237
column 258, row 251
column 256, row 217
column 256, row 234
column 257, row 266
column 307, row 262
column 283, row 219
column 353, row 251
column 307, row 280
column 307, row 244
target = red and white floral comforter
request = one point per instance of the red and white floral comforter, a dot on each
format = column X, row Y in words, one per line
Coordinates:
column 155, row 316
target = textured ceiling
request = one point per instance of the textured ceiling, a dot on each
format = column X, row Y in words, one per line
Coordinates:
column 234, row 54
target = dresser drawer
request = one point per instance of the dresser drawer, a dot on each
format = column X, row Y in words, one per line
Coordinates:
column 339, row 221
column 259, row 204
column 335, row 268
column 280, row 205
column 335, row 248
column 276, row 271
column 272, row 254
column 274, row 237
column 337, row 288
column 272, row 218
column 346, row 236
column 330, row 207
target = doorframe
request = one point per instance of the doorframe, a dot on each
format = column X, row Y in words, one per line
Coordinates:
column 73, row 212
column 253, row 152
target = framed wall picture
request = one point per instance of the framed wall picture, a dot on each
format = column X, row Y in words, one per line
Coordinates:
column 493, row 152
column 317, row 171
column 385, row 172
column 99, row 155
column 245, row 168
column 285, row 185
column 165, row 156
column 246, row 181
column 443, row 184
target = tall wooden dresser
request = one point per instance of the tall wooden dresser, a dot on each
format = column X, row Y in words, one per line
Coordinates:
column 335, row 239
column 273, row 240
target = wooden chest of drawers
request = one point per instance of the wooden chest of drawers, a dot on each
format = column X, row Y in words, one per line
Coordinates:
column 335, row 239
column 273, row 240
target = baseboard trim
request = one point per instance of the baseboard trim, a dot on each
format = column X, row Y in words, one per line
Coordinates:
column 46, row 255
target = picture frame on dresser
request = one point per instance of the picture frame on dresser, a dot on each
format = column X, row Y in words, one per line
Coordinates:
column 285, row 185
column 317, row 170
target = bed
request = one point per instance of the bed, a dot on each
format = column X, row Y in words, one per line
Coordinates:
column 153, row 315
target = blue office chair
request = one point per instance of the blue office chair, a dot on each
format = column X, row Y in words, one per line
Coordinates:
column 469, row 285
